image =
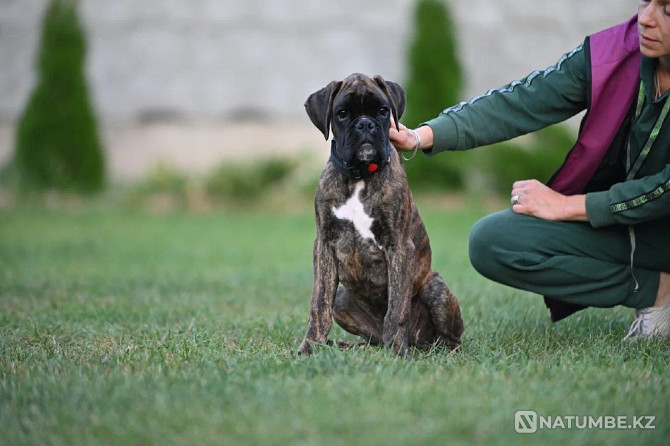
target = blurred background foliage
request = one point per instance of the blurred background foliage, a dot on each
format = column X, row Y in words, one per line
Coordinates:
column 435, row 77
column 436, row 82
column 270, row 183
column 58, row 148
column 57, row 143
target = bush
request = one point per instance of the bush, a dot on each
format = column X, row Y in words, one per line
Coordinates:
column 57, row 139
column 510, row 162
column 494, row 168
column 247, row 182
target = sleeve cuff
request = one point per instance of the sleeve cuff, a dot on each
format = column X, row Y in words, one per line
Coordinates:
column 598, row 209
column 445, row 134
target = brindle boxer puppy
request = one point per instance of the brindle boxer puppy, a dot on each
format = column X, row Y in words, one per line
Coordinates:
column 370, row 237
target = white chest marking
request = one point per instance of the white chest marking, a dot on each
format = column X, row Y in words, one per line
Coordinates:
column 353, row 211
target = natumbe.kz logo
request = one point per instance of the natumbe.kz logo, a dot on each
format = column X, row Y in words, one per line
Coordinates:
column 529, row 422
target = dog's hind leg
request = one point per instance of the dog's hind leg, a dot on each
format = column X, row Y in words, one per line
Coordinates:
column 355, row 319
column 421, row 327
column 444, row 311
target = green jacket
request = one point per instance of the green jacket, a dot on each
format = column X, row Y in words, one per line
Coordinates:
column 554, row 95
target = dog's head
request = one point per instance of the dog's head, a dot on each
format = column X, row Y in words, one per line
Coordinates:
column 359, row 110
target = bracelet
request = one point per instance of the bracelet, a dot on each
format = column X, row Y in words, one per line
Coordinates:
column 416, row 148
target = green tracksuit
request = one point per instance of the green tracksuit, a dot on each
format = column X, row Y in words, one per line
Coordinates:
column 590, row 264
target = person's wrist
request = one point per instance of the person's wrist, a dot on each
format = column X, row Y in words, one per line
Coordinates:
column 417, row 140
column 426, row 136
column 575, row 208
column 417, row 144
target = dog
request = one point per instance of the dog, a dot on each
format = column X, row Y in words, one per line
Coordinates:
column 370, row 238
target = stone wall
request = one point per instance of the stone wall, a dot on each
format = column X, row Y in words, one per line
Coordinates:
column 200, row 67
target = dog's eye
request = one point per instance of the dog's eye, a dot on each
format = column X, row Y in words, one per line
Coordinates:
column 383, row 112
column 343, row 114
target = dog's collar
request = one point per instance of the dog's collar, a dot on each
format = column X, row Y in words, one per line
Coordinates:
column 358, row 170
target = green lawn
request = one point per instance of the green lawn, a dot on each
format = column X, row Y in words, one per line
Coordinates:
column 128, row 328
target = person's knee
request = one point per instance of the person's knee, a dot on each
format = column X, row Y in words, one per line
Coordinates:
column 480, row 246
column 485, row 247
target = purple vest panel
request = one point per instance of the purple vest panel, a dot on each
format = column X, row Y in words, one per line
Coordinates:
column 615, row 78
column 615, row 74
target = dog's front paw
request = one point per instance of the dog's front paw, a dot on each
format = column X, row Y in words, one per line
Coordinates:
column 402, row 351
column 305, row 348
column 398, row 345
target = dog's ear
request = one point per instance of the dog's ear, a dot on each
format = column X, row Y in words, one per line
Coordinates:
column 319, row 106
column 395, row 94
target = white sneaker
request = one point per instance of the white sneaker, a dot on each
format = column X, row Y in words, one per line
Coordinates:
column 651, row 322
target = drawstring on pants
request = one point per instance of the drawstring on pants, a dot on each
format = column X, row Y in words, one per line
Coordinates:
column 633, row 244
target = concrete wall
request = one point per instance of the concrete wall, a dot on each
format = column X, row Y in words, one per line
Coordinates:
column 209, row 79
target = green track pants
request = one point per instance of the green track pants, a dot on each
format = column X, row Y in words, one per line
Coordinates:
column 569, row 261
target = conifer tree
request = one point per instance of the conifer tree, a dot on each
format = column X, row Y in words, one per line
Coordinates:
column 435, row 82
column 434, row 69
column 57, row 143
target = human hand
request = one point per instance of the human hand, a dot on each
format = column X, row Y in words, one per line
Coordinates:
column 531, row 197
column 403, row 139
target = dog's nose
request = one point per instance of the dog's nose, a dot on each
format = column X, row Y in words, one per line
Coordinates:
column 365, row 125
column 366, row 153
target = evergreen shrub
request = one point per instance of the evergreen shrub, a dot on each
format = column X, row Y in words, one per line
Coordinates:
column 435, row 82
column 57, row 143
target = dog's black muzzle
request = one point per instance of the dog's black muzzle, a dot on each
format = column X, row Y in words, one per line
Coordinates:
column 358, row 168
column 363, row 151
